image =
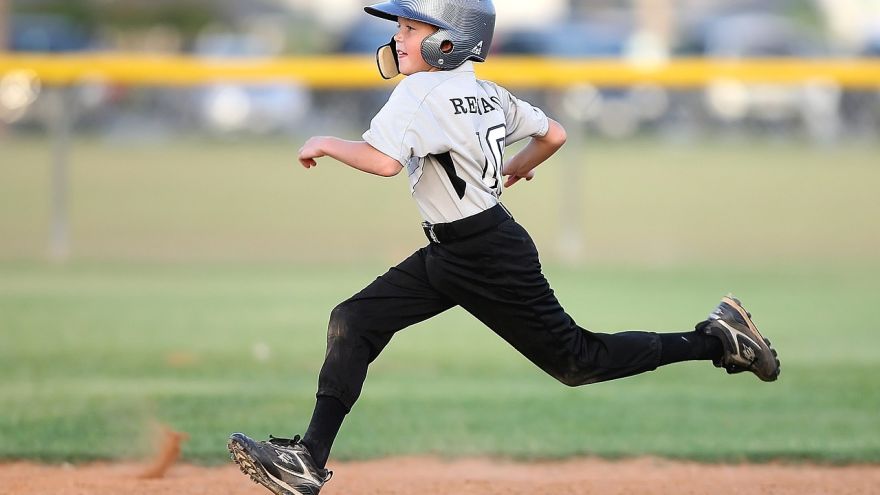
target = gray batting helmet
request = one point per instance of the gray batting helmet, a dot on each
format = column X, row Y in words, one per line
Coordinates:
column 467, row 24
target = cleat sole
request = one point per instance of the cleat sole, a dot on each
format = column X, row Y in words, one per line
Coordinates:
column 251, row 468
column 256, row 460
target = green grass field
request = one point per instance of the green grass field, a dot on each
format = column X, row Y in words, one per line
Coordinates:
column 203, row 274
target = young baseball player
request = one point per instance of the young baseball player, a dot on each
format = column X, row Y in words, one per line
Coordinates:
column 448, row 130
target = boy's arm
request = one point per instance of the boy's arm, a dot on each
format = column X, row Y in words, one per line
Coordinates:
column 356, row 154
column 536, row 152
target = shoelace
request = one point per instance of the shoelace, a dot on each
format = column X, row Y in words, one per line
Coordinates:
column 296, row 440
column 285, row 442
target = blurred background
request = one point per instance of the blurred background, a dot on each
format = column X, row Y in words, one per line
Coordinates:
column 631, row 30
column 100, row 114
column 163, row 256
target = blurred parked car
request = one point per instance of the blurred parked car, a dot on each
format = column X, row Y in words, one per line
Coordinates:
column 572, row 40
column 861, row 107
column 22, row 93
column 363, row 38
column 613, row 112
column 255, row 109
column 813, row 105
column 46, row 33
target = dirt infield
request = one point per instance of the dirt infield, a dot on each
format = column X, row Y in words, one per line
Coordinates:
column 426, row 476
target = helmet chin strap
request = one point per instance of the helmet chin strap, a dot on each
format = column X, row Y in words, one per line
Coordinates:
column 386, row 57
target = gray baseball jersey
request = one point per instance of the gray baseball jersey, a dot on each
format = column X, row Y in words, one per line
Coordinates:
column 448, row 129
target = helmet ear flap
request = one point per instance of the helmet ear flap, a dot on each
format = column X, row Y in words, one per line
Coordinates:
column 386, row 58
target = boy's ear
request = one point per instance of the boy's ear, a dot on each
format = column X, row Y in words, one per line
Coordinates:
column 386, row 57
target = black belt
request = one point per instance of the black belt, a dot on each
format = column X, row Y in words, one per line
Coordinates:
column 447, row 232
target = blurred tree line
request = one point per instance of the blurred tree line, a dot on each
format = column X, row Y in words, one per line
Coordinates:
column 4, row 25
column 116, row 24
column 186, row 17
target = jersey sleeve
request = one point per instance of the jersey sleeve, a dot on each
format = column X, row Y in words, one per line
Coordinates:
column 523, row 120
column 406, row 127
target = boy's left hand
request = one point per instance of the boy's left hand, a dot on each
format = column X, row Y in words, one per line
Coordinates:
column 513, row 178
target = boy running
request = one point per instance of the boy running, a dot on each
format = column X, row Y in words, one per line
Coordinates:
column 448, row 130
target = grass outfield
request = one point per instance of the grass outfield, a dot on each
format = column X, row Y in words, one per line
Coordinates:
column 94, row 353
column 203, row 274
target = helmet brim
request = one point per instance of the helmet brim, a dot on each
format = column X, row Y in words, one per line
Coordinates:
column 391, row 11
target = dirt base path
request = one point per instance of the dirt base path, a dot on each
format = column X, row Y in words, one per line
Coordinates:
column 427, row 476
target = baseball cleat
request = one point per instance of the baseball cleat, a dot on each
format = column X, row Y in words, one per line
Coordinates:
column 282, row 465
column 745, row 349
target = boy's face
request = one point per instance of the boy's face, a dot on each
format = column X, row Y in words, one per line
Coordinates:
column 409, row 37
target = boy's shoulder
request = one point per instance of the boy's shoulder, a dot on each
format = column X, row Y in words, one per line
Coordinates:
column 420, row 84
column 417, row 87
column 493, row 87
column 431, row 89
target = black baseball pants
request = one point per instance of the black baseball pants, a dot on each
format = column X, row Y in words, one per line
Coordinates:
column 494, row 275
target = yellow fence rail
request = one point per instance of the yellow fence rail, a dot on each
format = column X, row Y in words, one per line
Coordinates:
column 346, row 72
column 342, row 72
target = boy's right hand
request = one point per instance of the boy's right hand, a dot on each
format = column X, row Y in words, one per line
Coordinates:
column 311, row 150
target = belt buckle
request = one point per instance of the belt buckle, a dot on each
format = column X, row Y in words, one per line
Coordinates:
column 429, row 228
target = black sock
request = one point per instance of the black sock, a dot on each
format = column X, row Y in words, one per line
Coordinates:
column 689, row 346
column 325, row 424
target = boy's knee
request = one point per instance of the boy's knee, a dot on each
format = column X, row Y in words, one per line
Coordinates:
column 570, row 380
column 575, row 378
column 348, row 324
column 341, row 324
column 348, row 333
